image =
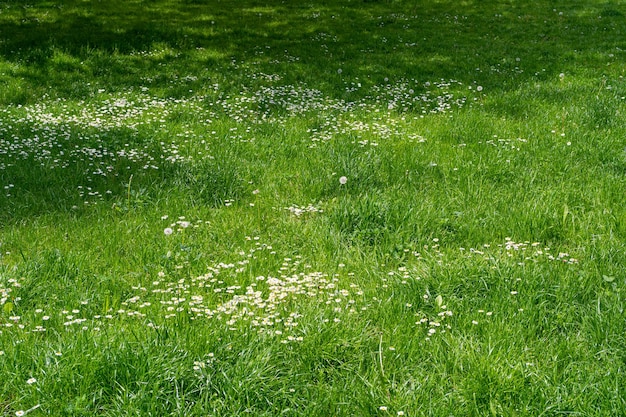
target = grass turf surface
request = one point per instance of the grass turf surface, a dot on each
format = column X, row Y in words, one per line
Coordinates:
column 330, row 208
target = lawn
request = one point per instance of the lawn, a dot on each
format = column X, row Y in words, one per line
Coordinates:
column 323, row 208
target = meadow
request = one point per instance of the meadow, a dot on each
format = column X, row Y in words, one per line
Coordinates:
column 320, row 208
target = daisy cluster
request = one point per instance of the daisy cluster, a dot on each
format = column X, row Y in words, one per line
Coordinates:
column 51, row 132
column 117, row 135
column 103, row 139
column 412, row 95
column 300, row 210
column 522, row 252
column 276, row 104
column 270, row 304
column 6, row 288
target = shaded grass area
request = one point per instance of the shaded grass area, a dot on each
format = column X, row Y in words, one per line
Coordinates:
column 64, row 47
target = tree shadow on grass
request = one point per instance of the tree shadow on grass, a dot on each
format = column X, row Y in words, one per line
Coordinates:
column 492, row 43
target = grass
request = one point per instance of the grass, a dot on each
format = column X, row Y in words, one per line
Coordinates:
column 175, row 239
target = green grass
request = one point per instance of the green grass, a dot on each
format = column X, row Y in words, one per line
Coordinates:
column 175, row 239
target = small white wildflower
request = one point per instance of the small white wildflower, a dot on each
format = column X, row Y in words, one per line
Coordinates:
column 168, row 231
column 383, row 408
column 343, row 180
column 31, row 381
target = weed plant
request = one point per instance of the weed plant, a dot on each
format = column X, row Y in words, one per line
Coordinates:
column 329, row 208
